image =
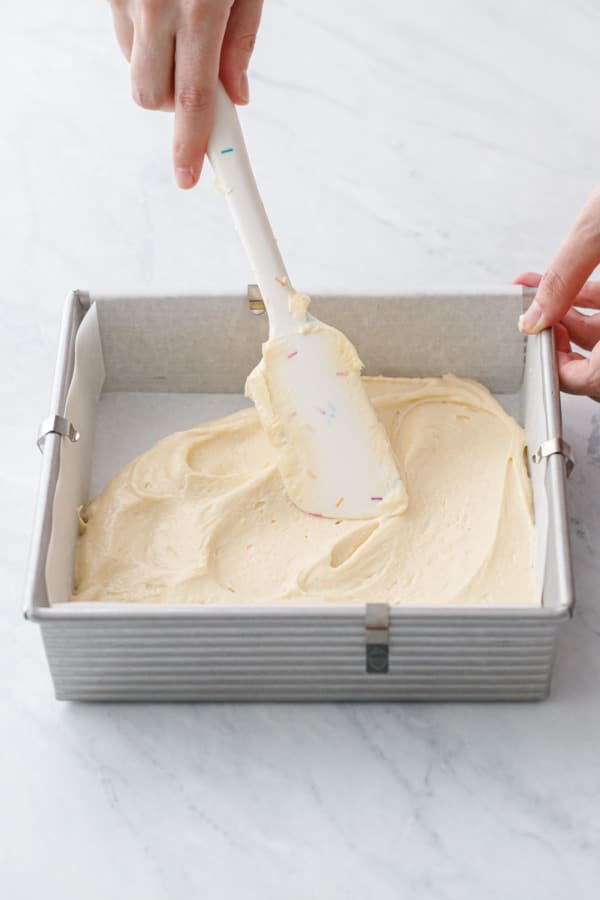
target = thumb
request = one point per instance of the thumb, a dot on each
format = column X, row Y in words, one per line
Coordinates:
column 567, row 273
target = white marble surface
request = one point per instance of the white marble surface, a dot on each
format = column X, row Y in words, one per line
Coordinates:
column 418, row 144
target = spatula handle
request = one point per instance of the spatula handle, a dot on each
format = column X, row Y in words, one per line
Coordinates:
column 229, row 158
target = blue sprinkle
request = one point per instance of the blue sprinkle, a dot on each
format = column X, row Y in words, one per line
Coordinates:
column 331, row 412
column 227, row 150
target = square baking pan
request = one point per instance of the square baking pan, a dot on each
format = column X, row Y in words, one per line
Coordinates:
column 131, row 370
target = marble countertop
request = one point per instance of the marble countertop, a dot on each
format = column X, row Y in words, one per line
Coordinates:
column 429, row 144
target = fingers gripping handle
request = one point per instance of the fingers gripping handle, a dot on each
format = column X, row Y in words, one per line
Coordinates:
column 229, row 158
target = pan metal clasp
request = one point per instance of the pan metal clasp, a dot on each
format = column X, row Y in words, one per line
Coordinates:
column 553, row 446
column 56, row 425
column 377, row 638
column 255, row 300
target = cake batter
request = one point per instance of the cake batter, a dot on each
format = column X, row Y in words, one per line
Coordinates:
column 202, row 516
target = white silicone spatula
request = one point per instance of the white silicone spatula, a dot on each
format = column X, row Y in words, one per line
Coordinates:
column 333, row 453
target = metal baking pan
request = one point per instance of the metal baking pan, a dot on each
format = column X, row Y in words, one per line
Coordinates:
column 132, row 369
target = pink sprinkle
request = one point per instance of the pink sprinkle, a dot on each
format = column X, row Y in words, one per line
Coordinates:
column 376, row 498
column 292, row 415
column 309, row 427
column 310, row 473
column 317, row 515
column 322, row 411
column 341, row 374
column 290, row 355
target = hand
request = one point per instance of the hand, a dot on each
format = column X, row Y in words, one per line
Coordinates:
column 178, row 49
column 564, row 285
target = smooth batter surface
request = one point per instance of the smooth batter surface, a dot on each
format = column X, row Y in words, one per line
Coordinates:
column 202, row 517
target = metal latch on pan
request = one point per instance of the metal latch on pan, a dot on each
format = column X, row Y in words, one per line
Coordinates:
column 255, row 300
column 377, row 638
column 56, row 425
column 553, row 446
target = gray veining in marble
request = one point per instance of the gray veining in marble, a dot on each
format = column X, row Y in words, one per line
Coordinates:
column 418, row 145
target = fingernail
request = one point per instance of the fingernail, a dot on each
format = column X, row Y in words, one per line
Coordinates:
column 244, row 87
column 185, row 178
column 533, row 320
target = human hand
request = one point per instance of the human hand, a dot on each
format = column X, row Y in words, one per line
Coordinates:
column 178, row 49
column 564, row 285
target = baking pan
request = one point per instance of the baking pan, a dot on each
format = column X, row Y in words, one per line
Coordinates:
column 133, row 369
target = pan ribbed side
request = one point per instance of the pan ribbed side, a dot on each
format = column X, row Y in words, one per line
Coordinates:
column 301, row 659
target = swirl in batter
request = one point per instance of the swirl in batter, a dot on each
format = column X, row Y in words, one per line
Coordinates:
column 202, row 516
